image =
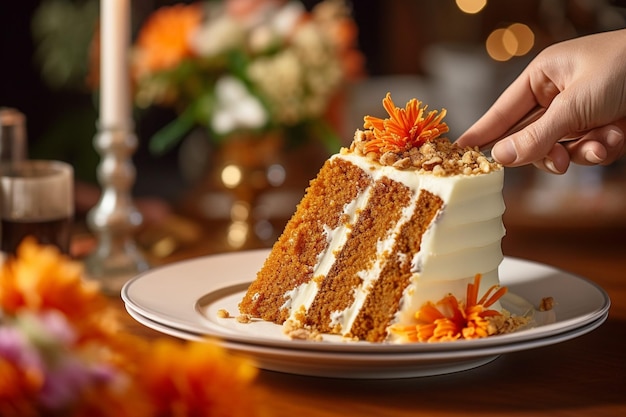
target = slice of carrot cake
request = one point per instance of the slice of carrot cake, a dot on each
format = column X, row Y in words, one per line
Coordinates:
column 397, row 222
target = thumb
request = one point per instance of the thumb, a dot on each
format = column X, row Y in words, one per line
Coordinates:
column 537, row 140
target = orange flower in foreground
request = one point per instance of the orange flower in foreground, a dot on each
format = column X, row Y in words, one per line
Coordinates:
column 405, row 128
column 449, row 320
column 164, row 39
column 18, row 389
column 131, row 376
column 41, row 278
column 198, row 379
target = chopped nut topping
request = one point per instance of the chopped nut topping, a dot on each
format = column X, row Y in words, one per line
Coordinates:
column 223, row 313
column 547, row 304
column 296, row 331
column 244, row 318
column 439, row 156
column 506, row 323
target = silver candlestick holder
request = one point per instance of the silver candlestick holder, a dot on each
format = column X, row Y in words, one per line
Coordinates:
column 114, row 219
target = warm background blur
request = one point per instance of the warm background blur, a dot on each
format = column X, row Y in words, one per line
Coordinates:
column 429, row 49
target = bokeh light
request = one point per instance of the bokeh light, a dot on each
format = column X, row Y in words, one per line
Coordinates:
column 237, row 234
column 495, row 46
column 509, row 42
column 471, row 6
column 231, row 176
column 524, row 36
column 515, row 40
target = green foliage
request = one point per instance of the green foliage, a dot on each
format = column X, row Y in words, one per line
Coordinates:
column 63, row 31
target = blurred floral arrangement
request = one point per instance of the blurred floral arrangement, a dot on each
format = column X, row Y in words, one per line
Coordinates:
column 64, row 352
column 230, row 66
column 246, row 65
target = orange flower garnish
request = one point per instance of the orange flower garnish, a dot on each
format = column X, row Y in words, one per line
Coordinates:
column 449, row 319
column 164, row 40
column 405, row 128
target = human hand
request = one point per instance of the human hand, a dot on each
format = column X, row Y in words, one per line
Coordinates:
column 582, row 85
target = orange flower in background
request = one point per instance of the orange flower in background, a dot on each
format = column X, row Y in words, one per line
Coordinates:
column 344, row 33
column 449, row 320
column 245, row 9
column 163, row 41
column 405, row 128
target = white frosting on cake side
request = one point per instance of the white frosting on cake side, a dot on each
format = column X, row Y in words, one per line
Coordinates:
column 463, row 240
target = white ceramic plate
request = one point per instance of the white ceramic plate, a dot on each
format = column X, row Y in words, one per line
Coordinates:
column 369, row 365
column 187, row 295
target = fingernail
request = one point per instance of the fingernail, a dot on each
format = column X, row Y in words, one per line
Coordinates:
column 614, row 138
column 504, row 152
column 550, row 165
column 591, row 157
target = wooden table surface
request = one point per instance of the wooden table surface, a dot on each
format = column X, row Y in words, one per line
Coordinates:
column 585, row 376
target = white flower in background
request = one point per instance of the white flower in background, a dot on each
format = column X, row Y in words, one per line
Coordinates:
column 279, row 79
column 262, row 38
column 311, row 44
column 285, row 20
column 298, row 82
column 223, row 34
column 277, row 27
column 235, row 107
